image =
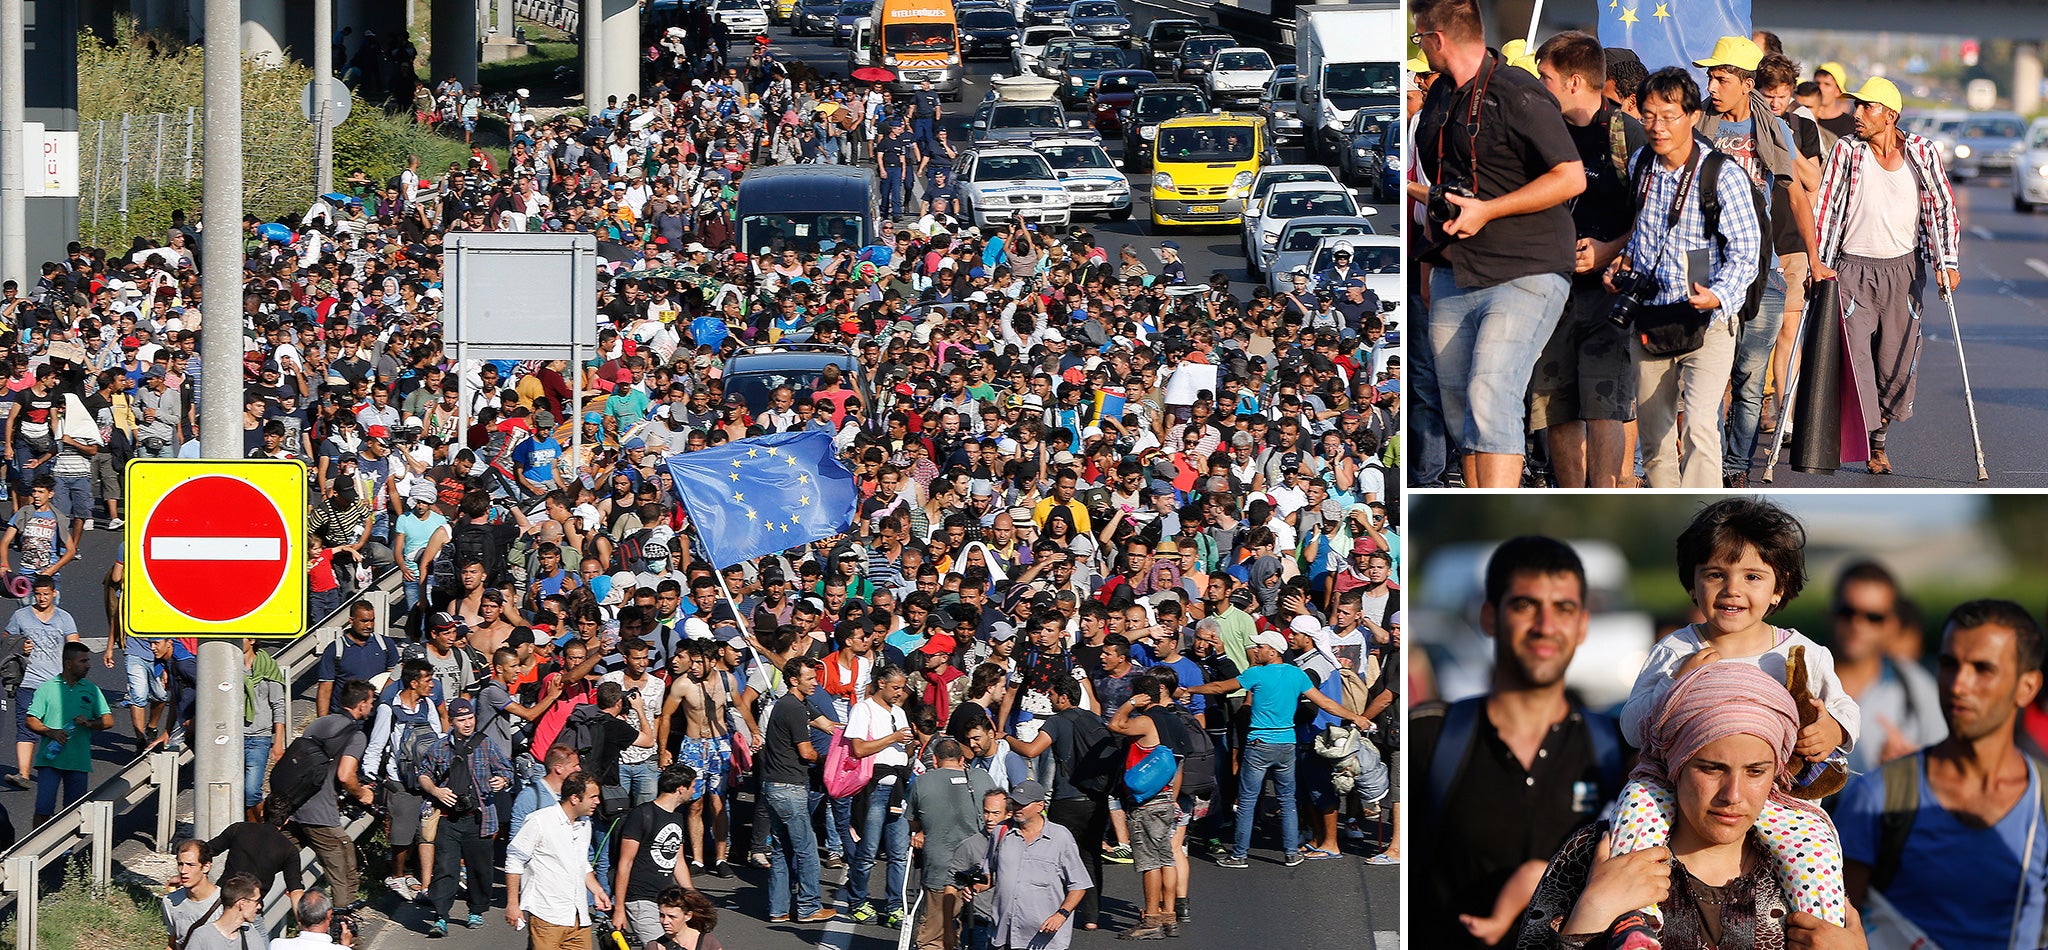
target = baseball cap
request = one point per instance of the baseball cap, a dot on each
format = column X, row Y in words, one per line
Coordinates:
column 1418, row 65
column 939, row 645
column 1305, row 625
column 1001, row 630
column 1836, row 70
column 1740, row 52
column 1881, row 91
column 459, row 708
column 1027, row 792
column 443, row 621
column 378, row 432
column 1271, row 640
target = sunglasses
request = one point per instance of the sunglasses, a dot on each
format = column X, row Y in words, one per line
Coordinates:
column 1846, row 612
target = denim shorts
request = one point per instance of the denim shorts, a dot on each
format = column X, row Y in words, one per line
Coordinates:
column 1485, row 343
column 144, row 685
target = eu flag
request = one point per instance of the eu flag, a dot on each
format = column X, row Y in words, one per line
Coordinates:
column 1671, row 32
column 766, row 494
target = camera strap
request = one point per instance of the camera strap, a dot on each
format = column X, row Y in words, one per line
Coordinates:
column 1671, row 215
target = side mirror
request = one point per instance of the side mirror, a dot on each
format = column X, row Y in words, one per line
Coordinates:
column 979, row 124
column 1073, row 123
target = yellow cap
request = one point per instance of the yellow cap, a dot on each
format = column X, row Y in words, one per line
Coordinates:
column 1418, row 66
column 1513, row 50
column 1738, row 51
column 1834, row 69
column 1526, row 61
column 1880, row 90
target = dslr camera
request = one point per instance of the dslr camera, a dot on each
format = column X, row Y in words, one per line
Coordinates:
column 1632, row 288
column 1440, row 207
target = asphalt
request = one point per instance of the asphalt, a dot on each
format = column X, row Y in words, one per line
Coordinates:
column 2002, row 309
column 1341, row 904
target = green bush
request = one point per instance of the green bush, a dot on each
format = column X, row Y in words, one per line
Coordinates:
column 120, row 917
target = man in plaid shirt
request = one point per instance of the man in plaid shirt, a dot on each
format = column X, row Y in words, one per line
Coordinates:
column 1884, row 194
column 1690, row 383
column 462, row 771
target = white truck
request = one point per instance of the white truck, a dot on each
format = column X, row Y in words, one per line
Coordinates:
column 1347, row 56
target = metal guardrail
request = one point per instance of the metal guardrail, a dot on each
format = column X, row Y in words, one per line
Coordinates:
column 564, row 15
column 152, row 779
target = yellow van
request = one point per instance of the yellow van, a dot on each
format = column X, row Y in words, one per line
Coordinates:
column 783, row 11
column 1203, row 166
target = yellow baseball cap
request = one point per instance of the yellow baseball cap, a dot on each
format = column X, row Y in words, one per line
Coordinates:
column 1514, row 49
column 1881, row 91
column 1836, row 70
column 1418, row 66
column 1526, row 61
column 1738, row 51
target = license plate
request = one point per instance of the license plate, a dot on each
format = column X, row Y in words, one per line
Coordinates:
column 1207, row 209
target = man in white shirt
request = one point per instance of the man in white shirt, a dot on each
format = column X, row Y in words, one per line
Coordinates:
column 548, row 872
column 317, row 926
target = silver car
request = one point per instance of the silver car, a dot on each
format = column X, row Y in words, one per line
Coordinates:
column 1281, row 111
column 1298, row 242
column 1988, row 143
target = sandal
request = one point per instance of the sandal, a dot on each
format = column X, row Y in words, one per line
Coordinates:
column 1314, row 853
column 1381, row 860
column 1879, row 463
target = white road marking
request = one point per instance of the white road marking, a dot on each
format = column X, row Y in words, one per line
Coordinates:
column 2038, row 267
column 1981, row 233
column 216, row 549
column 1386, row 940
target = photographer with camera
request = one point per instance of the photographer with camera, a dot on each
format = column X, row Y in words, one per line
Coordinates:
column 320, row 925
column 944, row 809
column 1585, row 388
column 1501, row 237
column 462, row 771
column 1681, row 288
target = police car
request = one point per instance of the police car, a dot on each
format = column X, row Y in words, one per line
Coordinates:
column 1092, row 180
column 1006, row 183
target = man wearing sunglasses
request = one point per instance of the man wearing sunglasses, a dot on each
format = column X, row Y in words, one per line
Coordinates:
column 1898, row 701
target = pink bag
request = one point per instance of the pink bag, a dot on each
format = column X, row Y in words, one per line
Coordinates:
column 742, row 750
column 845, row 773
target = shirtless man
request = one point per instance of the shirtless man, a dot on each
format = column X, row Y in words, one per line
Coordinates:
column 493, row 623
column 702, row 696
column 467, row 602
column 640, row 766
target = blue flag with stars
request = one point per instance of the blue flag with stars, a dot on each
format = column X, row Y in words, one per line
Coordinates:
column 766, row 494
column 1672, row 32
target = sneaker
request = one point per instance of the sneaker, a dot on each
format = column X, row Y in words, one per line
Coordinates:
column 88, row 524
column 824, row 914
column 1294, row 859
column 1172, row 928
column 1228, row 861
column 396, row 884
column 1118, row 854
column 894, row 921
column 719, row 869
column 439, row 928
column 415, row 883
column 832, row 860
column 1181, row 913
column 476, row 921
column 759, row 859
column 17, row 780
column 115, row 524
column 779, row 919
column 865, row 913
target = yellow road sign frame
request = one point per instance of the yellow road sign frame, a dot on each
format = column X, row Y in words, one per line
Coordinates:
column 145, row 612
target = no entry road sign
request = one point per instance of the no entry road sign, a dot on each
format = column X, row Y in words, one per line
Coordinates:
column 216, row 548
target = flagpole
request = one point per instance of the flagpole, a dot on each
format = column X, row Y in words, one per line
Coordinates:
column 1535, row 16
column 717, row 572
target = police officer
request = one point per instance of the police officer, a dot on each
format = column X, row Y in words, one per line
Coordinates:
column 892, row 155
column 924, row 113
column 1338, row 273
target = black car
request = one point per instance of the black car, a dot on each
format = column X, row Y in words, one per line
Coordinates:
column 1364, row 127
column 1163, row 39
column 1152, row 105
column 988, row 32
column 1198, row 54
column 1041, row 12
column 1100, row 20
column 816, row 17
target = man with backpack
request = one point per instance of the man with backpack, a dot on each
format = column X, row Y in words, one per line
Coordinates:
column 1583, row 396
column 460, row 773
column 1688, row 283
column 1503, row 779
column 1149, row 719
column 327, row 756
column 406, row 726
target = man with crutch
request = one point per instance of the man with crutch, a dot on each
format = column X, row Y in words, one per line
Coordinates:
column 1884, row 193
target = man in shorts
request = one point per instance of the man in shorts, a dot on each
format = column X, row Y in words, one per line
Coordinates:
column 702, row 698
column 1148, row 718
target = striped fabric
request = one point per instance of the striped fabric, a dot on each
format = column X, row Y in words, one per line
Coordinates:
column 1940, row 238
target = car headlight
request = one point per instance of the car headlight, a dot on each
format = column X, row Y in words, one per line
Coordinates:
column 1120, row 185
column 1270, row 239
column 1242, row 181
column 2042, row 171
column 889, row 60
column 1162, row 182
column 952, row 59
column 1148, row 133
column 1362, row 152
column 1962, row 151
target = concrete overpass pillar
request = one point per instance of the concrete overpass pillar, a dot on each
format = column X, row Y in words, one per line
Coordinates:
column 593, row 56
column 263, row 31
column 455, row 35
column 621, row 48
column 2026, row 77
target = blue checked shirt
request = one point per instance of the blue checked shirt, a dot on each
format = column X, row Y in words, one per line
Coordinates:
column 1654, row 249
column 484, row 764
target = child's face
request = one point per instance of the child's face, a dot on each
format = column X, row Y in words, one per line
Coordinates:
column 1735, row 593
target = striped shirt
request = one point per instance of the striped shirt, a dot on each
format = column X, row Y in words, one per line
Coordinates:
column 1940, row 236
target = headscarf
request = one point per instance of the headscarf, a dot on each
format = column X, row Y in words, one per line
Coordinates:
column 1714, row 702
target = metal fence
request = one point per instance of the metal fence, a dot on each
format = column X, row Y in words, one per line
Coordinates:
column 564, row 15
column 135, row 170
column 151, row 781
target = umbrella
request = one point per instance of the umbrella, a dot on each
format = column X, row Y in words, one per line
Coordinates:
column 873, row 74
column 828, row 108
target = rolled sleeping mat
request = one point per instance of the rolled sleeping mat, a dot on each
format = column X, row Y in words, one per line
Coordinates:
column 1817, row 410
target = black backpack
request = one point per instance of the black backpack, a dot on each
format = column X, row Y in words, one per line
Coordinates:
column 1710, row 214
column 299, row 775
column 481, row 541
column 1097, row 760
column 1198, row 770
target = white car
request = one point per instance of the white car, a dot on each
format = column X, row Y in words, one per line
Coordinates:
column 2030, row 174
column 1012, row 183
column 1239, row 75
column 1093, row 183
column 1031, row 46
column 742, row 17
column 1299, row 240
column 1263, row 182
column 1285, row 202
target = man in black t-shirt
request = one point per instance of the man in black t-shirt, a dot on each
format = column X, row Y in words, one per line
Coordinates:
column 1501, row 256
column 786, row 757
column 650, row 855
column 263, row 851
column 1585, row 383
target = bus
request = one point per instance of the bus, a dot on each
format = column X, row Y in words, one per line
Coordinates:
column 919, row 41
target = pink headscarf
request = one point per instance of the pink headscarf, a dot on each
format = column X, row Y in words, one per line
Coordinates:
column 1712, row 703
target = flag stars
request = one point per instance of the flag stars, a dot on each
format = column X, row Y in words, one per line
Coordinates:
column 739, row 496
column 735, row 476
column 803, row 501
column 803, row 479
column 791, row 459
column 756, row 453
column 771, row 451
column 1628, row 15
column 753, row 515
column 1663, row 13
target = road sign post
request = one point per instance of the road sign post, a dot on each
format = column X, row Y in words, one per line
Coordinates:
column 216, row 548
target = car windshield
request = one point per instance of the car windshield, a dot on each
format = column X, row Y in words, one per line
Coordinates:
column 755, row 387
column 2039, row 137
column 738, row 5
column 1993, row 129
column 1174, row 32
column 1121, row 82
column 1362, row 79
column 917, row 37
column 1365, row 122
column 1267, row 181
column 1205, row 143
column 1370, row 259
column 1304, row 237
column 1165, row 105
column 1068, row 158
column 1244, row 59
column 802, row 232
column 1011, row 168
column 1097, row 10
column 989, row 20
column 856, row 7
column 1034, row 116
column 1092, row 57
column 1283, row 91
column 1301, row 204
column 1203, row 48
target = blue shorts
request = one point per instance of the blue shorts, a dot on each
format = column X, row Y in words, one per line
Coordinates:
column 712, row 758
column 145, row 682
column 1485, row 343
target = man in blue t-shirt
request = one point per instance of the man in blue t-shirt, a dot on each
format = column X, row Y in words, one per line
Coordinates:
column 1274, row 688
column 1974, row 862
column 535, row 457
